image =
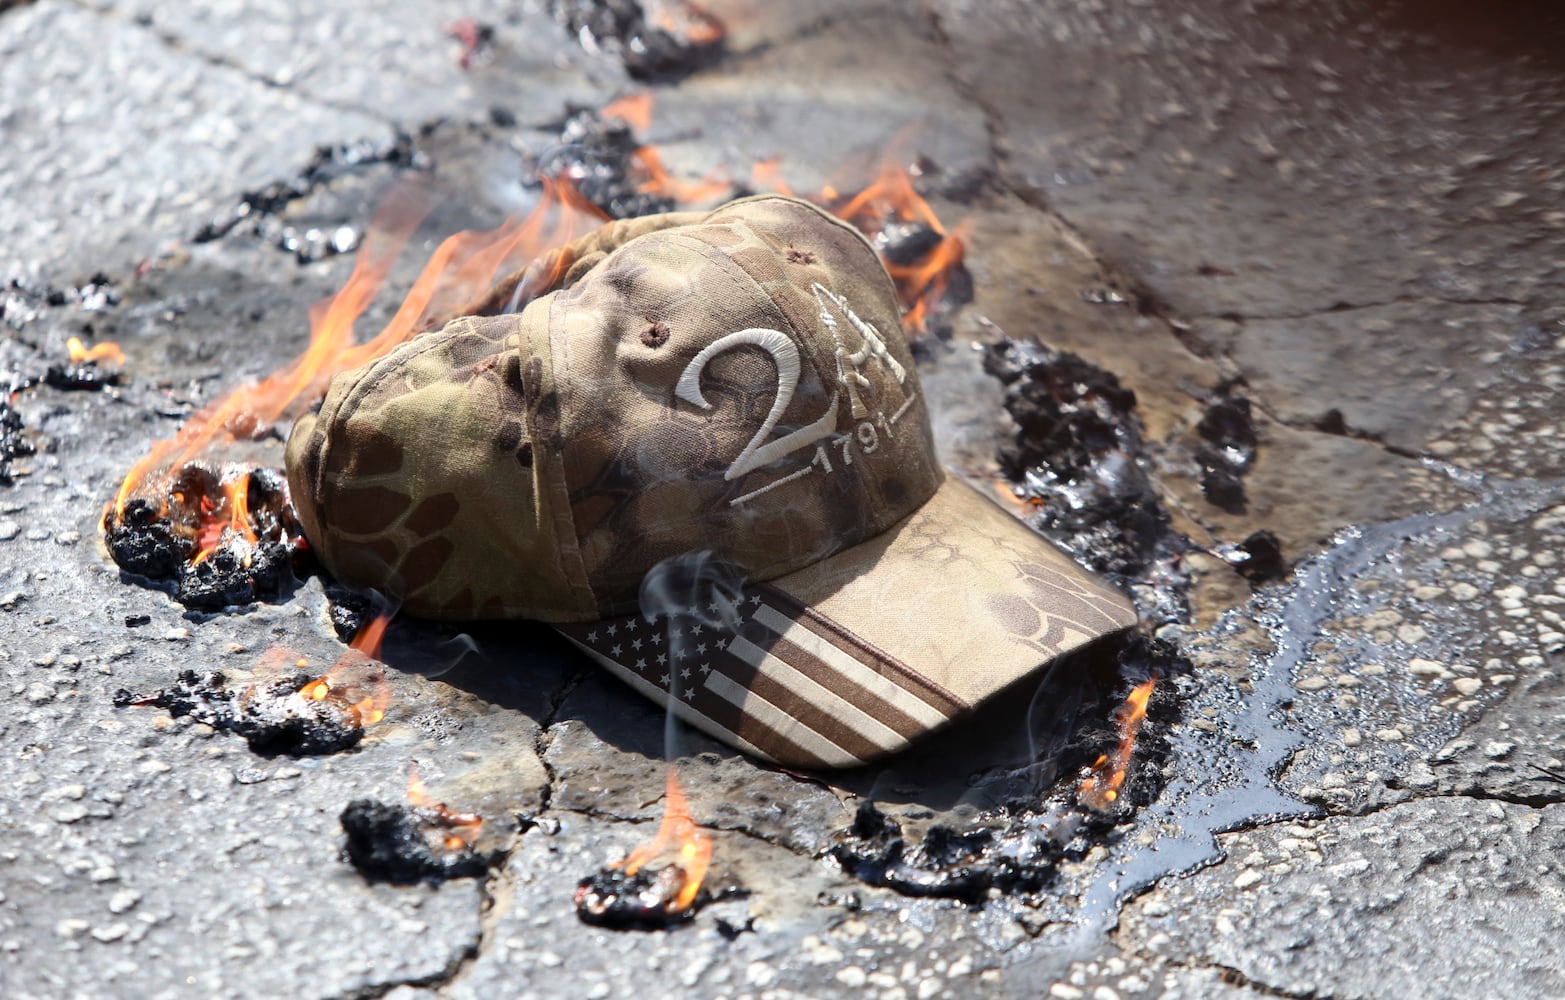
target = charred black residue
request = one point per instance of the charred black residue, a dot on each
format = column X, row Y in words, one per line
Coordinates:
column 681, row 40
column 13, row 441
column 273, row 716
column 83, row 377
column 1077, row 453
column 407, row 844
column 598, row 155
column 349, row 610
column 22, row 301
column 240, row 566
column 1228, row 430
column 1014, row 849
column 260, row 207
column 1258, row 558
column 646, row 900
column 945, row 862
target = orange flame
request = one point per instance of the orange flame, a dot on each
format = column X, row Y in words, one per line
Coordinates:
column 460, row 268
column 1100, row 789
column 766, row 175
column 677, row 835
column 463, row 827
column 924, row 281
column 686, row 20
column 107, row 350
column 1005, row 492
column 230, row 513
column 352, row 679
column 634, row 110
column 891, row 198
column 657, row 179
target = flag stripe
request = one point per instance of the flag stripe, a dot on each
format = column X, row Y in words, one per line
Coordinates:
column 815, row 706
column 836, row 682
column 686, row 712
column 752, row 705
column 785, row 685
column 885, row 687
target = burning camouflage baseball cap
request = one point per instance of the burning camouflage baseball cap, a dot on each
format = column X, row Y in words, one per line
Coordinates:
column 734, row 381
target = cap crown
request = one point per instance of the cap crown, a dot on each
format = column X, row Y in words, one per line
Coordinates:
column 736, row 382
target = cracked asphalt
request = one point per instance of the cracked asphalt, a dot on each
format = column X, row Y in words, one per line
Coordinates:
column 1354, row 210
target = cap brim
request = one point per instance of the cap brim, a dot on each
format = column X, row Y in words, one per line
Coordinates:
column 858, row 655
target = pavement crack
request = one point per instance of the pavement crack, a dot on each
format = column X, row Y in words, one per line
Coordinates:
column 1346, row 430
column 545, row 737
column 1349, row 307
column 1234, row 977
column 609, row 816
column 965, row 88
column 182, row 46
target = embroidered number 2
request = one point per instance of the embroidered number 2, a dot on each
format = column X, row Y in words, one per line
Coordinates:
column 785, row 355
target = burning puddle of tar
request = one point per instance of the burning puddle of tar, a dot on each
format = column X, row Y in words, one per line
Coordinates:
column 647, row 899
column 224, row 539
column 403, row 844
column 275, row 716
column 89, row 369
column 1079, row 783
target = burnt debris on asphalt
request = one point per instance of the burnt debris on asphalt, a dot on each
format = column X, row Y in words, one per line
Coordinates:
column 221, row 539
column 1077, row 459
column 1228, row 431
column 286, row 714
column 597, row 154
column 262, row 209
column 647, row 899
column 404, row 844
column 678, row 40
column 13, row 438
column 1011, row 850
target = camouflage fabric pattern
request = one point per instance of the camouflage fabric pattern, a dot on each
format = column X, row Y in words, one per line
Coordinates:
column 734, row 381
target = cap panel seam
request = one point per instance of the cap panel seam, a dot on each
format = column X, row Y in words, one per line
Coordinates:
column 572, row 566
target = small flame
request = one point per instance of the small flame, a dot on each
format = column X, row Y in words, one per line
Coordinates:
column 892, row 199
column 685, row 20
column 766, row 175
column 677, row 835
column 462, row 828
column 353, row 679
column 1005, row 492
column 229, row 513
column 657, row 180
column 1100, row 789
column 634, row 110
column 924, row 281
column 106, row 350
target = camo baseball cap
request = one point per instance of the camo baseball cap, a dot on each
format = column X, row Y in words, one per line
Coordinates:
column 734, row 381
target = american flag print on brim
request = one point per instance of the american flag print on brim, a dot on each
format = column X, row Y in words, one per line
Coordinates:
column 853, row 658
column 772, row 678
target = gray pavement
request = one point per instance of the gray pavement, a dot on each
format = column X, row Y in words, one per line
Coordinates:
column 1355, row 209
